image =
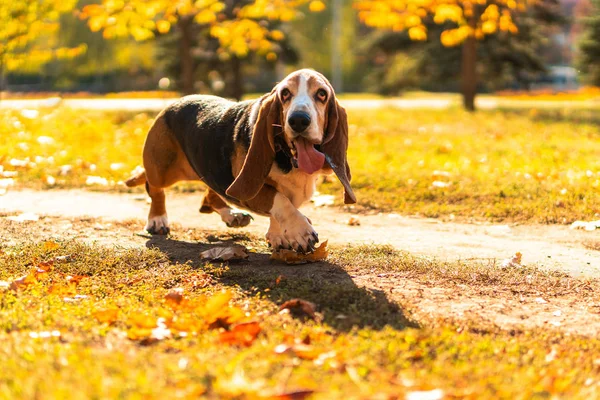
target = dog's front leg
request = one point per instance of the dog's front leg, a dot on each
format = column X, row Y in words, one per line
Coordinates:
column 288, row 228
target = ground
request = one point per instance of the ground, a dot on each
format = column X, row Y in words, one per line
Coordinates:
column 406, row 306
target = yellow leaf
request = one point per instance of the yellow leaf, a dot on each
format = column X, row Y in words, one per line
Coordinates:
column 417, row 33
column 163, row 26
column 488, row 27
column 316, row 6
column 50, row 245
column 277, row 35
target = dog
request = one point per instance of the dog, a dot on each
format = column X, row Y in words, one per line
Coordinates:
column 261, row 155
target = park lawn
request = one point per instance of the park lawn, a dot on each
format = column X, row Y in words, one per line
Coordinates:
column 526, row 166
column 90, row 336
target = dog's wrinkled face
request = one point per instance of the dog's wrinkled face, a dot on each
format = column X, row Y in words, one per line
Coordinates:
column 304, row 96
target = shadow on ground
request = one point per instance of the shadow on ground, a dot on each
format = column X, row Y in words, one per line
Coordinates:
column 343, row 304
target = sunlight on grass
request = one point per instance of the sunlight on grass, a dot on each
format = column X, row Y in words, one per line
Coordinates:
column 528, row 166
column 57, row 342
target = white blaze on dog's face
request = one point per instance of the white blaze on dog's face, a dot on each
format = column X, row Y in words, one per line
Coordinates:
column 304, row 96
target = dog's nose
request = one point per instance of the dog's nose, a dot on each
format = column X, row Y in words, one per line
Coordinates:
column 299, row 121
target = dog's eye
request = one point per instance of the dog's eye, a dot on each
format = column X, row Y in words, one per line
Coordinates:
column 321, row 95
column 285, row 94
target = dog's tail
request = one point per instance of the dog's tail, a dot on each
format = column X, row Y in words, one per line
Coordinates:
column 138, row 179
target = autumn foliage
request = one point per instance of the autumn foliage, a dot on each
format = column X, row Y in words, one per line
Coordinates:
column 23, row 23
column 469, row 18
column 240, row 29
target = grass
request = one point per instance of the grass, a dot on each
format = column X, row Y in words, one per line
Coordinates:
column 363, row 344
column 516, row 166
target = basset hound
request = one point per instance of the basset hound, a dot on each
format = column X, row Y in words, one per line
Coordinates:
column 262, row 155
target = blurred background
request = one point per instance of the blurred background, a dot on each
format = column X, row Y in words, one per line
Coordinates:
column 235, row 48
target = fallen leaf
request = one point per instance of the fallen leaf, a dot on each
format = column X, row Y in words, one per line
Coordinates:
column 141, row 320
column 24, row 281
column 236, row 252
column 50, row 245
column 174, row 298
column 300, row 307
column 241, row 334
column 300, row 350
column 353, row 221
column 107, row 315
column 514, row 262
column 61, row 259
column 293, row 257
column 198, row 280
column 63, row 289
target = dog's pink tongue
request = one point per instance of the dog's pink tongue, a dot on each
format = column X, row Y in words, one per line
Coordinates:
column 310, row 160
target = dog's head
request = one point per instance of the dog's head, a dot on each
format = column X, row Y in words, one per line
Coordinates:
column 303, row 109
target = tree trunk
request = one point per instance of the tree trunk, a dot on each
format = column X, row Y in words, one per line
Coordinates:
column 185, row 55
column 237, row 79
column 469, row 70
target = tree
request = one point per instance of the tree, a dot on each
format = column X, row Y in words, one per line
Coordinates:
column 241, row 26
column 23, row 24
column 464, row 22
column 589, row 46
column 503, row 58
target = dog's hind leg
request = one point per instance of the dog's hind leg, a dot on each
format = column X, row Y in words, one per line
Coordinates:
column 164, row 164
column 212, row 202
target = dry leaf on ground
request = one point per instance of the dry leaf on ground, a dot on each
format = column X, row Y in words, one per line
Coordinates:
column 241, row 334
column 353, row 221
column 236, row 252
column 293, row 257
column 108, row 315
column 50, row 245
column 513, row 262
column 299, row 307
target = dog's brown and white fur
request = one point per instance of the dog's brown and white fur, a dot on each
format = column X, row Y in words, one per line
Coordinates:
column 263, row 155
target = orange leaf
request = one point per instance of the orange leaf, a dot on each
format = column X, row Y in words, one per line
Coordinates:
column 174, row 298
column 140, row 320
column 300, row 350
column 24, row 281
column 45, row 266
column 75, row 279
column 292, row 257
column 241, row 334
column 62, row 289
column 108, row 315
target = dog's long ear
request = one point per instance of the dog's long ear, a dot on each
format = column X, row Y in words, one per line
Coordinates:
column 335, row 145
column 261, row 152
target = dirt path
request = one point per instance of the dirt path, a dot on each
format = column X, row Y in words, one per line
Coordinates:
column 549, row 247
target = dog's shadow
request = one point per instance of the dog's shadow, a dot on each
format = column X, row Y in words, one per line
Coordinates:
column 342, row 303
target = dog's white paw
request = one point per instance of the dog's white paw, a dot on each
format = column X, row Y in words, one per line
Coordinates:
column 234, row 218
column 158, row 225
column 275, row 237
column 296, row 233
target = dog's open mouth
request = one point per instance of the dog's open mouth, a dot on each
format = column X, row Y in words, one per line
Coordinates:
column 306, row 157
